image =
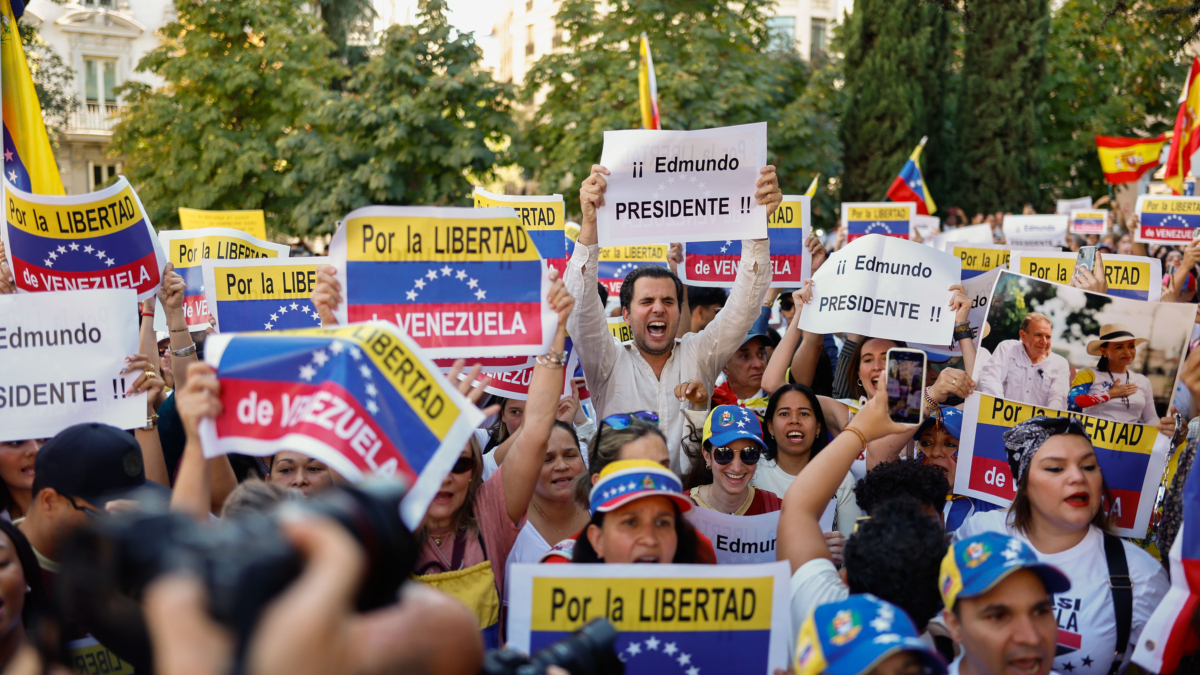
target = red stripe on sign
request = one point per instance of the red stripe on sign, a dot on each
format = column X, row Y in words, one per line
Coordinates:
column 991, row 477
column 195, row 309
column 141, row 275
column 1171, row 233
column 461, row 324
column 899, row 235
column 264, row 410
column 720, row 268
column 1123, row 507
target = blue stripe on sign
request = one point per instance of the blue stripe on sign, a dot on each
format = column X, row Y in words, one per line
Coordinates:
column 254, row 315
column 83, row 255
column 658, row 652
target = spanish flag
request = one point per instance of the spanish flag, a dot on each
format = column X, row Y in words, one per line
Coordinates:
column 1186, row 139
column 1126, row 160
column 28, row 161
column 647, row 87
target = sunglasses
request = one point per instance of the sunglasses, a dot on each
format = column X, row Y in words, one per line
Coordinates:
column 787, row 306
column 724, row 455
column 463, row 465
column 625, row 420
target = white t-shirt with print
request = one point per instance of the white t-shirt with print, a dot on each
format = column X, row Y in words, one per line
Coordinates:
column 816, row 583
column 1087, row 624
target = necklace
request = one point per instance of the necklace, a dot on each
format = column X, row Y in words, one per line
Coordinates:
column 547, row 519
column 1125, row 399
column 437, row 538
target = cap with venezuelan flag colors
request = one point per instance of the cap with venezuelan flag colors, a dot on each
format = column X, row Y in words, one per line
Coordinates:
column 728, row 423
column 629, row 479
column 975, row 565
column 853, row 636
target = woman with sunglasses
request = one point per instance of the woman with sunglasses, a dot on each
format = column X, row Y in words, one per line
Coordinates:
column 472, row 525
column 720, row 477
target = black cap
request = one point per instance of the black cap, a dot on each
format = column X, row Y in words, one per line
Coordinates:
column 94, row 462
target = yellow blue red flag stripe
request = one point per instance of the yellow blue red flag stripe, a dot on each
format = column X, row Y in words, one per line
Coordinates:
column 28, row 160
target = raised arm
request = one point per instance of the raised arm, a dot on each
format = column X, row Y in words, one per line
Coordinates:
column 961, row 305
column 801, row 355
column 200, row 398
column 327, row 294
column 523, row 465
column 588, row 325
column 170, row 295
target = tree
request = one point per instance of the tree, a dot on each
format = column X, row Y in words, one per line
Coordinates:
column 52, row 80
column 805, row 142
column 714, row 63
column 341, row 19
column 1004, row 63
column 408, row 125
column 896, row 68
column 239, row 77
column 1121, row 78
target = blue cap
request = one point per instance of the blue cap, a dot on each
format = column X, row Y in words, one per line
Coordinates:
column 975, row 565
column 727, row 423
column 853, row 636
column 951, row 421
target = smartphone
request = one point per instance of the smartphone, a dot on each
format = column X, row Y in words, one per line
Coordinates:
column 1087, row 258
column 905, row 384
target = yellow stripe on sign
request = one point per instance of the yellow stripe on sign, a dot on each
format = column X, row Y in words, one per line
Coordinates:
column 1104, row 433
column 96, row 659
column 1058, row 270
column 1121, row 275
column 75, row 221
column 274, row 282
column 252, row 222
column 665, row 605
column 193, row 252
column 419, row 388
column 789, row 214
column 620, row 330
column 648, row 254
column 1167, row 205
column 878, row 213
column 981, row 259
column 548, row 215
column 424, row 239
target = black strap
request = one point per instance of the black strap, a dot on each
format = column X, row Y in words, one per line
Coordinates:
column 1122, row 593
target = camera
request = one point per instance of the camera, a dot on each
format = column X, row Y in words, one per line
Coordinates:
column 243, row 564
column 588, row 651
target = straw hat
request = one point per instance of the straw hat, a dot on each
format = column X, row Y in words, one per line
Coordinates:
column 1113, row 332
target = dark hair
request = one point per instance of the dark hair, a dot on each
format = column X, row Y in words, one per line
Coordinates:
column 856, row 389
column 603, row 293
column 254, row 496
column 688, row 542
column 653, row 272
column 896, row 554
column 601, row 455
column 924, row 484
column 36, row 598
column 703, row 296
column 820, row 440
column 570, row 429
column 1102, row 364
column 498, row 433
column 1020, row 514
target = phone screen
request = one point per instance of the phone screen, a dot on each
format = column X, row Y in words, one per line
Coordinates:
column 905, row 384
column 1087, row 258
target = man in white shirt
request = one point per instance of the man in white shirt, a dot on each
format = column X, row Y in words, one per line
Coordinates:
column 999, row 606
column 642, row 374
column 1026, row 370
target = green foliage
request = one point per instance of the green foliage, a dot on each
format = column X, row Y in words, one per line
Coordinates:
column 805, row 142
column 342, row 18
column 409, row 125
column 713, row 65
column 897, row 69
column 998, row 113
column 52, row 80
column 239, row 77
column 1121, row 78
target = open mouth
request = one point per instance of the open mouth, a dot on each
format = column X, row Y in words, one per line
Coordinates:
column 735, row 478
column 28, row 470
column 875, row 382
column 796, row 437
column 646, row 559
column 1028, row 665
column 443, row 498
column 1079, row 499
column 656, row 329
column 561, row 482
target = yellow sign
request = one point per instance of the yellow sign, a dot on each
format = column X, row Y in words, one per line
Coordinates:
column 619, row 329
column 1128, row 276
column 977, row 259
column 251, row 222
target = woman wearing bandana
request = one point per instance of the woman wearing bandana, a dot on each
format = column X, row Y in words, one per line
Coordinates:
column 1057, row 511
column 1112, row 390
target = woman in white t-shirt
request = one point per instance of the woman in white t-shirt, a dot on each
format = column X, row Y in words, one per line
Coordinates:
column 1057, row 510
column 1116, row 392
column 553, row 513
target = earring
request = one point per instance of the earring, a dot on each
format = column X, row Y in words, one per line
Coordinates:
column 860, row 381
column 707, row 466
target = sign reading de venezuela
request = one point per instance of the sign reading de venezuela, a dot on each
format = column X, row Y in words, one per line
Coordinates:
column 715, row 263
column 362, row 399
column 543, row 217
column 1131, row 457
column 460, row 282
column 892, row 219
column 98, row 240
column 1166, row 219
column 262, row 294
column 687, row 619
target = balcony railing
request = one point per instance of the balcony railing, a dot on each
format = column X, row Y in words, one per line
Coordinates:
column 95, row 117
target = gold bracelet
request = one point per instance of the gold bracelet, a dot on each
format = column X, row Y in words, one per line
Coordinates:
column 860, row 435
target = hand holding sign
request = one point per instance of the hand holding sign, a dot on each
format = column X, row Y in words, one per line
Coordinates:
column 1085, row 279
column 327, row 295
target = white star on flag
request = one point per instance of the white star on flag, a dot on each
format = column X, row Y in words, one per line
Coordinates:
column 729, row 242
column 283, row 309
column 634, row 649
column 62, row 249
column 88, row 248
column 371, row 390
column 460, row 275
column 419, row 283
column 411, row 295
column 432, row 274
column 49, row 262
column 304, row 309
column 320, row 358
column 652, row 643
column 110, row 262
column 53, row 255
column 100, row 254
column 307, row 372
column 693, row 671
column 356, row 353
column 724, row 248
column 336, row 348
column 74, row 246
column 295, row 307
column 480, row 294
column 366, row 372
column 274, row 317
column 670, row 649
column 372, row 407
column 446, row 271
column 472, row 283
column 12, row 176
column 267, row 326
column 684, row 659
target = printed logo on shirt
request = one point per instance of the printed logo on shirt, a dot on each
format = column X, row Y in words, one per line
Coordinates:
column 1066, row 614
column 846, row 627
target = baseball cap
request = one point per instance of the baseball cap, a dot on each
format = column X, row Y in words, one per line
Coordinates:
column 975, row 565
column 951, row 419
column 727, row 423
column 95, row 462
column 627, row 480
column 853, row 636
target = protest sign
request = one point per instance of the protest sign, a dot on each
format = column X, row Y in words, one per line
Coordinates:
column 715, row 263
column 926, row 226
column 671, row 618
column 61, row 356
column 979, row 290
column 188, row 249
column 978, row 259
column 98, row 240
column 493, row 364
column 362, row 399
column 1066, row 206
column 884, row 287
column 1077, row 320
column 1040, row 230
column 738, row 539
column 682, row 185
column 461, row 282
column 543, row 217
column 891, row 219
column 1128, row 276
column 250, row 221
column 1131, row 457
column 1167, row 219
column 1089, row 222
column 514, row 384
column 619, row 329
column 971, row 234
column 616, row 262
column 262, row 294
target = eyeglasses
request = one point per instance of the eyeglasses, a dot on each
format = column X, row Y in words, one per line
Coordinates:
column 463, row 465
column 724, row 455
column 86, row 509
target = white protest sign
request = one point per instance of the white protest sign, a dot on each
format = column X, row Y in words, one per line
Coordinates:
column 971, row 234
column 61, row 356
column 1066, row 206
column 1041, row 230
column 1087, row 221
column 926, row 226
column 682, row 186
column 738, row 539
column 670, row 618
column 979, row 290
column 885, row 287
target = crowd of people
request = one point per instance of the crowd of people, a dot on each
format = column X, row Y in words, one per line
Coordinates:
column 709, row 406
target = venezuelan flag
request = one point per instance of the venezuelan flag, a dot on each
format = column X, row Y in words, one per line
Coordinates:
column 647, row 87
column 188, row 249
column 1168, row 219
column 812, row 188
column 1125, row 160
column 616, row 262
column 909, row 186
column 716, row 262
column 28, row 161
column 262, row 294
column 542, row 217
